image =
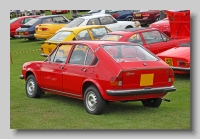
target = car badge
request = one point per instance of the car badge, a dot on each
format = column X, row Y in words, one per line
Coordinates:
column 129, row 73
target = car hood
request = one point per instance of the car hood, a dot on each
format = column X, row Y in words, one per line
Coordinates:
column 179, row 23
column 181, row 52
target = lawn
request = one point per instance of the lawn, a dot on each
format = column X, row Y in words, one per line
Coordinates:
column 59, row 112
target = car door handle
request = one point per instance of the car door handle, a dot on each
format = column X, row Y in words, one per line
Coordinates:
column 61, row 67
column 84, row 70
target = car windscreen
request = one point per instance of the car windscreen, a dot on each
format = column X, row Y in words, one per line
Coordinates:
column 111, row 37
column 13, row 20
column 75, row 23
column 187, row 44
column 129, row 53
column 60, row 36
column 31, row 22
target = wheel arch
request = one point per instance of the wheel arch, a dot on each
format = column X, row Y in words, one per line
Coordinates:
column 90, row 82
column 129, row 26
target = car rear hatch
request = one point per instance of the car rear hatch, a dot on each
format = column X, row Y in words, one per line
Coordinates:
column 149, row 74
column 179, row 23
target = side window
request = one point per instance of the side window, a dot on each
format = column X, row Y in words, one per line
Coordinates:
column 89, row 57
column 61, row 54
column 106, row 20
column 97, row 33
column 47, row 20
column 135, row 38
column 83, row 35
column 94, row 21
column 78, row 55
column 59, row 19
column 152, row 37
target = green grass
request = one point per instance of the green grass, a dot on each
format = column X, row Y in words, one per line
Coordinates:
column 59, row 112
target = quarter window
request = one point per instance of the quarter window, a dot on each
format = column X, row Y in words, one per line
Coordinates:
column 94, row 21
column 97, row 33
column 83, row 35
column 135, row 38
column 106, row 20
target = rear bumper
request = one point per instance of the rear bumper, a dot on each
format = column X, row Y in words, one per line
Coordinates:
column 25, row 36
column 181, row 69
column 43, row 36
column 140, row 91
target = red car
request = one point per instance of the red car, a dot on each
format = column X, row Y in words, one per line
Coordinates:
column 178, row 58
column 59, row 11
column 99, row 72
column 15, row 23
column 151, row 38
column 146, row 17
column 179, row 24
column 162, row 25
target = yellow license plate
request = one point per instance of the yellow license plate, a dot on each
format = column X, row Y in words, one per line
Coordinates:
column 146, row 79
column 138, row 15
column 169, row 61
column 21, row 33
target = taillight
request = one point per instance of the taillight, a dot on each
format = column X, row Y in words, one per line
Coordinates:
column 45, row 29
column 183, row 63
column 26, row 33
column 115, row 15
column 145, row 14
column 36, row 28
column 116, row 81
column 171, row 78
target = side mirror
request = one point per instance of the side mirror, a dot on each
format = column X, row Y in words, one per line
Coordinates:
column 165, row 39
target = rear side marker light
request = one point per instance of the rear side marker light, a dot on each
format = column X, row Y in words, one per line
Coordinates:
column 116, row 81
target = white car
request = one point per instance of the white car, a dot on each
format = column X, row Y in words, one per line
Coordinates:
column 100, row 19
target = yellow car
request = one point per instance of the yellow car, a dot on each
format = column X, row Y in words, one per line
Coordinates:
column 49, row 27
column 89, row 32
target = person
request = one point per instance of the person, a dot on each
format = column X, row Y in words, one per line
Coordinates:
column 33, row 12
column 42, row 13
column 74, row 13
column 163, row 14
column 17, row 13
column 137, row 24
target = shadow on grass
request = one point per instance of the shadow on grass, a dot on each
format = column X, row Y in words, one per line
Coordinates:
column 22, row 40
column 111, row 108
column 182, row 76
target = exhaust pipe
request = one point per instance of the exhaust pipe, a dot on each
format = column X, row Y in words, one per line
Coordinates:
column 164, row 99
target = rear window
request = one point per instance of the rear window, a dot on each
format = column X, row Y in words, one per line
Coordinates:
column 32, row 21
column 60, row 36
column 129, row 53
column 75, row 23
column 111, row 37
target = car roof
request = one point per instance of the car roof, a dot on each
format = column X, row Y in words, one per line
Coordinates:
column 77, row 29
column 94, row 16
column 96, row 43
column 48, row 16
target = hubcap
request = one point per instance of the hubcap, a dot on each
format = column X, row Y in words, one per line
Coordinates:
column 91, row 101
column 30, row 87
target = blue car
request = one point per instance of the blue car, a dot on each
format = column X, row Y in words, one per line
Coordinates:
column 123, row 15
column 27, row 30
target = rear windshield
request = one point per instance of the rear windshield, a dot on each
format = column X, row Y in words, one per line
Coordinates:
column 13, row 20
column 32, row 21
column 60, row 36
column 111, row 37
column 187, row 44
column 129, row 53
column 75, row 23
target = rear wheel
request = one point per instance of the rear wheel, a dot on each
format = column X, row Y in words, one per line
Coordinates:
column 157, row 19
column 32, row 88
column 154, row 102
column 93, row 101
column 129, row 19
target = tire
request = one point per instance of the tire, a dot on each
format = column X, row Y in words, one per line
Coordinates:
column 129, row 19
column 31, row 39
column 93, row 101
column 128, row 27
column 157, row 19
column 155, row 102
column 32, row 88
